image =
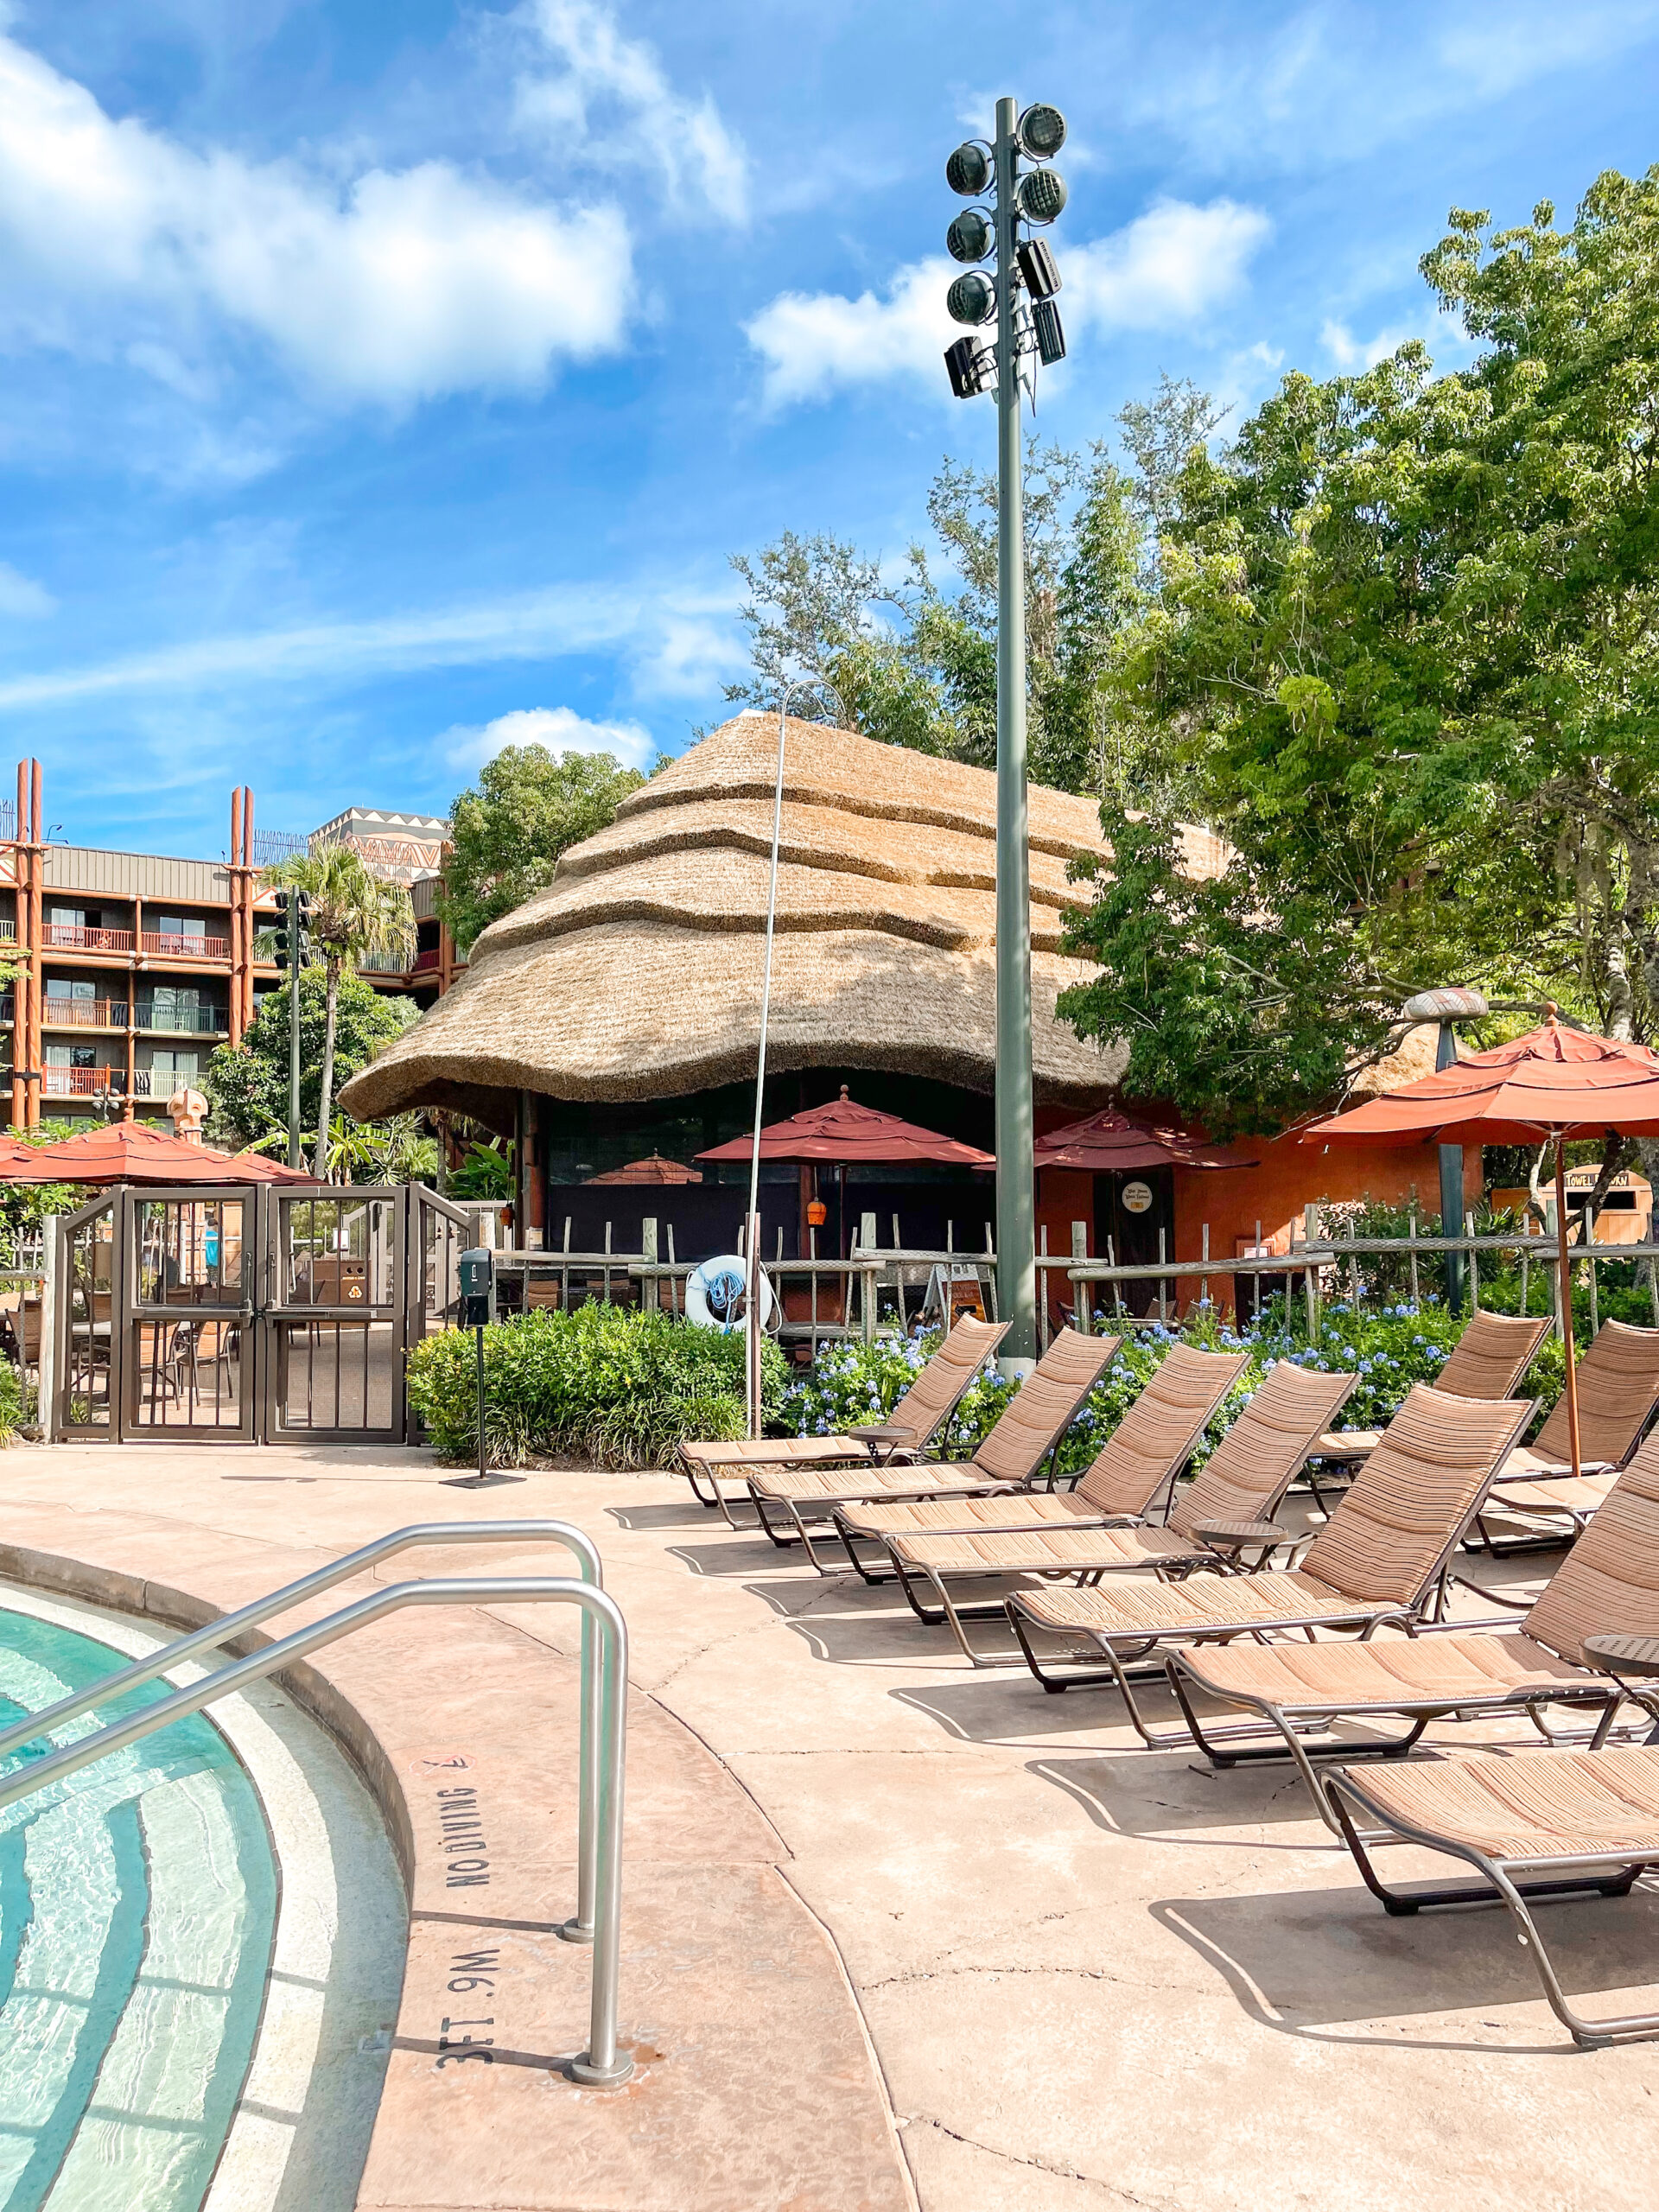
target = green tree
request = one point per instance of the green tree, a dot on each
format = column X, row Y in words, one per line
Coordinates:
column 508, row 830
column 1401, row 639
column 354, row 914
column 912, row 660
column 247, row 1084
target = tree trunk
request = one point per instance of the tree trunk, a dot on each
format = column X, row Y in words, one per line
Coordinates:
column 320, row 1164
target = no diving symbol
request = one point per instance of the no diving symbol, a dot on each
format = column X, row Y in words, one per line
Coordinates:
column 443, row 1762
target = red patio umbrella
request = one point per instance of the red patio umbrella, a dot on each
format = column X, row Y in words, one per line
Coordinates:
column 1109, row 1144
column 845, row 1133
column 1552, row 1084
column 654, row 1169
column 133, row 1152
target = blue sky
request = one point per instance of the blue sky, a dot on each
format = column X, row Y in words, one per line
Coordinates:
column 381, row 383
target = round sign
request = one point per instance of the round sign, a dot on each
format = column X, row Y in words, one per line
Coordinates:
column 1137, row 1197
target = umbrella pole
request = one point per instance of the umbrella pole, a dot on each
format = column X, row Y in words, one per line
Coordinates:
column 1566, row 1282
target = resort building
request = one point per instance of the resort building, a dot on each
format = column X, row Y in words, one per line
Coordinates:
column 130, row 968
column 616, row 1015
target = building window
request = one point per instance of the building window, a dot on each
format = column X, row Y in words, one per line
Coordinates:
column 71, row 987
column 181, row 1066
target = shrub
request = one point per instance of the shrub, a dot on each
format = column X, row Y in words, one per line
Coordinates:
column 619, row 1388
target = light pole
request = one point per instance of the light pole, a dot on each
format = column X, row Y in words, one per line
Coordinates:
column 1448, row 1007
column 1024, row 193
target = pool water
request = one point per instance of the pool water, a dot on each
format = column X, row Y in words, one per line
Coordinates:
column 137, row 1909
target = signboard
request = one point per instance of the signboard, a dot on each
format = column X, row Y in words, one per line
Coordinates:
column 1136, row 1198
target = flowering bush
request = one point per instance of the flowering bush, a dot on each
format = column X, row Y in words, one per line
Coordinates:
column 1388, row 1348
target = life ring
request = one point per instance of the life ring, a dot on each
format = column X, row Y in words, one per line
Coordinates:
column 714, row 1291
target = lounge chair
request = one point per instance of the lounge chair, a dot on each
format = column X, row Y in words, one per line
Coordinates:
column 917, row 1418
column 1379, row 1559
column 1618, row 1396
column 1139, row 1461
column 1222, row 1516
column 1487, row 1361
column 1553, row 1823
column 1608, row 1584
column 1026, row 1432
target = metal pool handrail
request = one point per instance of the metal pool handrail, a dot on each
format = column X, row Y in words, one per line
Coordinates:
column 579, row 1930
column 600, row 1813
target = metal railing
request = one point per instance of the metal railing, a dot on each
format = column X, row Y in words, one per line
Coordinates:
column 76, row 938
column 184, row 944
column 183, row 1021
column 604, row 1722
column 83, row 1013
column 1334, row 1266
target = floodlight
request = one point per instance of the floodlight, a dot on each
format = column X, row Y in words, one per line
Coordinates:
column 969, row 169
column 1041, row 131
column 1050, row 337
column 1039, row 269
column 972, row 367
column 972, row 298
column 970, row 237
column 1040, row 194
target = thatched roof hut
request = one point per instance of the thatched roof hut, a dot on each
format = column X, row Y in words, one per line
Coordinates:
column 637, row 974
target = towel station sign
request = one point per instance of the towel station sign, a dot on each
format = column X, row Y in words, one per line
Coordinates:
column 1135, row 1198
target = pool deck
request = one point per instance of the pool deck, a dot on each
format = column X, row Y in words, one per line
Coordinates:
column 895, row 1932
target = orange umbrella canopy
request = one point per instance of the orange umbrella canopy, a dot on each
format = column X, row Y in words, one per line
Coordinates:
column 133, row 1152
column 1106, row 1143
column 654, row 1169
column 1552, row 1083
column 847, row 1131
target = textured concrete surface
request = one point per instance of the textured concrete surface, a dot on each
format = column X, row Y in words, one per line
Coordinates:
column 1089, row 1974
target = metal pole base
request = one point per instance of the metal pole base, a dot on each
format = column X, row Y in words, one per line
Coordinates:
column 575, row 1931
column 601, row 2077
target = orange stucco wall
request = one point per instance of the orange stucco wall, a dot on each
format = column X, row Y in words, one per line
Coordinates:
column 1289, row 1175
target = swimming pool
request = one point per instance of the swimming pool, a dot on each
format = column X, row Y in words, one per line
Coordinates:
column 138, row 1906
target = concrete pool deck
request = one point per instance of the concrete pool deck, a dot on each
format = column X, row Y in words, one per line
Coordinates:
column 894, row 1931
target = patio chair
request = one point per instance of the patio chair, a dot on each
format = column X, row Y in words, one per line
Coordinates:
column 917, row 1418
column 1025, row 1435
column 1220, row 1518
column 1555, row 1823
column 1380, row 1559
column 1618, row 1396
column 1139, row 1461
column 1608, row 1584
column 1487, row 1361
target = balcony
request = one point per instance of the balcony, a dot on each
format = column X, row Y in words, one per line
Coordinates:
column 92, row 1083
column 183, row 945
column 380, row 963
column 424, row 962
column 73, row 938
column 83, row 1013
column 8, row 932
column 183, row 1021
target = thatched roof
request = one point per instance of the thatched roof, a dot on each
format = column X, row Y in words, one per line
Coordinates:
column 638, row 974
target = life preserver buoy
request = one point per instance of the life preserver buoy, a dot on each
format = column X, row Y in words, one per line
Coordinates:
column 715, row 1292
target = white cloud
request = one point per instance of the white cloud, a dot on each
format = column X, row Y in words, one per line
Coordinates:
column 392, row 287
column 561, row 729
column 1441, row 334
column 1169, row 266
column 21, row 596
column 611, row 102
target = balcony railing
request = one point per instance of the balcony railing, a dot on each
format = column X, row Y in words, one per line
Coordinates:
column 381, row 963
column 83, row 1013
column 8, row 932
column 93, row 1083
column 424, row 961
column 177, row 944
column 183, row 1021
column 73, row 939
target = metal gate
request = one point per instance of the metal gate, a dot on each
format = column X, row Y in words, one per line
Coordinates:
column 250, row 1314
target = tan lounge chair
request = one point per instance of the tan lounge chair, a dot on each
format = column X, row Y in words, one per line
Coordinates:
column 1243, row 1482
column 1618, row 1396
column 1547, row 1824
column 1378, row 1560
column 1028, row 1430
column 917, row 1418
column 1487, row 1361
column 1222, row 1516
column 1608, row 1584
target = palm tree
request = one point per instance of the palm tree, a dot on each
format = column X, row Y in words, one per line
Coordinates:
column 354, row 914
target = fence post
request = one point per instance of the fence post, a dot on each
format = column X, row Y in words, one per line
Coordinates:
column 1553, row 1263
column 1589, row 1234
column 1163, row 1283
column 1204, row 1281
column 1474, row 1264
column 1310, row 1235
column 46, row 1372
column 1083, row 1294
column 1042, row 1278
column 1416, row 1299
column 1353, row 1268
